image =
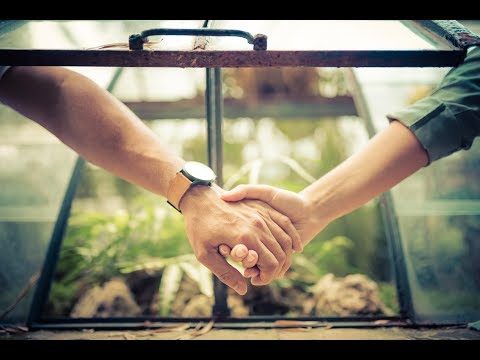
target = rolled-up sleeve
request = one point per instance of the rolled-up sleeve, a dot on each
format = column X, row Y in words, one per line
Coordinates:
column 449, row 119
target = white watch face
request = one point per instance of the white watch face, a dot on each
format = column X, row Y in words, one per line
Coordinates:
column 199, row 171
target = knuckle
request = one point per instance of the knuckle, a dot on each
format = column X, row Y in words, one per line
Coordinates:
column 243, row 238
column 202, row 255
column 271, row 266
column 284, row 221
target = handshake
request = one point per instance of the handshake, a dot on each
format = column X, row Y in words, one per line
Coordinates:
column 258, row 225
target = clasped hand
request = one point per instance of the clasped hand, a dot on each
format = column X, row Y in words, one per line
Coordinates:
column 260, row 225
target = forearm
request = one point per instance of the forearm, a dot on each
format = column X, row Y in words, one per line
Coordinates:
column 92, row 122
column 391, row 156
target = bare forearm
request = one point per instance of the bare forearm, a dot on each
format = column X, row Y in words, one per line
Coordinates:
column 391, row 156
column 92, row 122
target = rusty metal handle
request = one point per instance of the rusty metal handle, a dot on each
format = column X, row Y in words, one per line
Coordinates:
column 136, row 41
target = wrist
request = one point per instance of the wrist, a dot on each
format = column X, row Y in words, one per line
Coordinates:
column 318, row 216
column 197, row 197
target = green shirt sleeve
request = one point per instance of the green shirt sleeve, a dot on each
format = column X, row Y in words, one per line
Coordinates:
column 449, row 119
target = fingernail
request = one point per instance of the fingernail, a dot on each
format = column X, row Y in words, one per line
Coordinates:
column 238, row 289
column 223, row 250
column 250, row 257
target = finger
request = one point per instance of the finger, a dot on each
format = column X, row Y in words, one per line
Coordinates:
column 267, row 263
column 225, row 272
column 251, row 259
column 266, row 194
column 275, row 240
column 239, row 252
column 224, row 250
column 251, row 272
column 258, row 192
column 286, row 244
column 287, row 226
column 287, row 265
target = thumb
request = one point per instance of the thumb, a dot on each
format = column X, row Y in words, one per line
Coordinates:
column 256, row 192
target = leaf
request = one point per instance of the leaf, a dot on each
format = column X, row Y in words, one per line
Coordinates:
column 200, row 274
column 204, row 330
column 238, row 175
column 298, row 169
column 198, row 331
column 205, row 282
column 254, row 173
column 179, row 327
column 172, row 275
column 302, row 261
column 191, row 270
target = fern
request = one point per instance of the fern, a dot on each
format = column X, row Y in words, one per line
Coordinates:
column 171, row 278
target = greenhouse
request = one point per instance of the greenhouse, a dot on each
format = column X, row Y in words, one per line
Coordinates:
column 271, row 102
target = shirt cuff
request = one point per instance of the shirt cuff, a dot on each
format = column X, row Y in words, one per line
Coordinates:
column 449, row 119
column 436, row 127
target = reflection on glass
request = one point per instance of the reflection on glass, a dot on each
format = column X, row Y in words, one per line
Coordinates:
column 439, row 226
column 34, row 175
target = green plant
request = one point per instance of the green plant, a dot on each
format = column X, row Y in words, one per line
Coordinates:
column 318, row 259
column 388, row 295
column 172, row 270
column 96, row 244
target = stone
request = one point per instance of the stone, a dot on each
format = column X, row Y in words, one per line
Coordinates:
column 113, row 299
column 354, row 294
column 198, row 306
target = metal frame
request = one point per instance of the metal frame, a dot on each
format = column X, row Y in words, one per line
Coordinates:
column 451, row 35
column 230, row 323
column 234, row 58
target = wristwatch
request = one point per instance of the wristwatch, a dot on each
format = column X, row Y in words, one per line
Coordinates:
column 193, row 173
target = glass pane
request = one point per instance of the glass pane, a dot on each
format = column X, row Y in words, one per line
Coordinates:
column 282, row 34
column 86, row 34
column 349, row 257
column 321, row 35
column 289, row 146
column 123, row 242
column 437, row 209
column 125, row 252
column 35, row 171
column 439, row 217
